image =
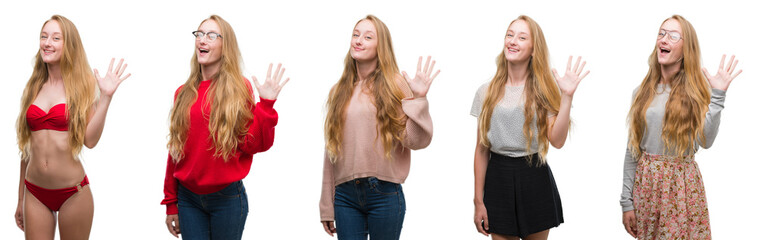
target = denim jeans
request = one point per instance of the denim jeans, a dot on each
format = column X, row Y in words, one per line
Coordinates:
column 218, row 215
column 368, row 206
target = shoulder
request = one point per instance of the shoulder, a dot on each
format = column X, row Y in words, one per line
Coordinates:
column 176, row 93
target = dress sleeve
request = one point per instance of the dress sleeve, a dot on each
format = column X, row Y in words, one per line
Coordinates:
column 712, row 119
column 326, row 205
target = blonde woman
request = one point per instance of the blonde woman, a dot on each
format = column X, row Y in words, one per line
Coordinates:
column 520, row 112
column 374, row 119
column 63, row 107
column 673, row 112
column 215, row 129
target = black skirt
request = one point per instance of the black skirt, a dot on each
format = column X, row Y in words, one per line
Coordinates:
column 520, row 199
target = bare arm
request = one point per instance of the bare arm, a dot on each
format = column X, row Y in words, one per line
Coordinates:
column 558, row 125
column 480, row 164
column 108, row 86
column 20, row 208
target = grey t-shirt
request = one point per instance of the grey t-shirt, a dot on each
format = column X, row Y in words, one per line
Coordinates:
column 652, row 140
column 506, row 126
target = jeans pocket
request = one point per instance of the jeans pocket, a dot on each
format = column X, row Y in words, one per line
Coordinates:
column 385, row 188
column 232, row 191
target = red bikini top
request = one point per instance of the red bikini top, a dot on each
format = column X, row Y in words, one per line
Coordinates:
column 54, row 119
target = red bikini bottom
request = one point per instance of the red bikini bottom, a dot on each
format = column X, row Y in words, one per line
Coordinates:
column 54, row 198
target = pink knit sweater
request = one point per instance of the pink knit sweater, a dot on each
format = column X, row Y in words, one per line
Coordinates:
column 363, row 153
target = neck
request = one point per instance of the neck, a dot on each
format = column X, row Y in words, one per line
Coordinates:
column 365, row 68
column 669, row 71
column 210, row 71
column 54, row 74
column 517, row 73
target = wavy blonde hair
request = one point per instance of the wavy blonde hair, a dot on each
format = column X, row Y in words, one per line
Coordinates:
column 683, row 124
column 542, row 93
column 387, row 96
column 79, row 84
column 231, row 100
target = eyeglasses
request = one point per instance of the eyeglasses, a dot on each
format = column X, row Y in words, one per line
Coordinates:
column 211, row 35
column 673, row 36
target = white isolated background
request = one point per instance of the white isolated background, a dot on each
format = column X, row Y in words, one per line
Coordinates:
column 311, row 38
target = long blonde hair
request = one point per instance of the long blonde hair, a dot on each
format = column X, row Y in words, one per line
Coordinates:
column 231, row 101
column 79, row 84
column 683, row 124
column 542, row 93
column 386, row 92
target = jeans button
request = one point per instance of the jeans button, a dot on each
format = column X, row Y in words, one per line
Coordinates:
column 357, row 181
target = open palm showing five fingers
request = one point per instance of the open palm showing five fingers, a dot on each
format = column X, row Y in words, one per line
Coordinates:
column 420, row 84
column 112, row 79
column 722, row 79
column 569, row 82
column 272, row 86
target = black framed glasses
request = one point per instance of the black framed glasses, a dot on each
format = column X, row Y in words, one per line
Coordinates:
column 210, row 35
column 673, row 36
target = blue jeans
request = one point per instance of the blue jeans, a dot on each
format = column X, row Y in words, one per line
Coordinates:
column 368, row 206
column 218, row 215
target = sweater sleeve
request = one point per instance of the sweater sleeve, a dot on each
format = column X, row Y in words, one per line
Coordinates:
column 326, row 205
column 260, row 134
column 171, row 184
column 629, row 174
column 712, row 119
column 418, row 129
column 170, row 187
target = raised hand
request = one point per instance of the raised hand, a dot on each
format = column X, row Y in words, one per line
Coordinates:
column 112, row 79
column 569, row 82
column 271, row 87
column 420, row 84
column 723, row 78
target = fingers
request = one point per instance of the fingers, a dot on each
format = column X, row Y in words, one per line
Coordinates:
column 557, row 75
column 706, row 74
column 575, row 67
column 270, row 66
column 329, row 228
column 118, row 70
column 722, row 60
column 420, row 60
column 732, row 68
column 407, row 78
column 255, row 81
column 730, row 63
column 110, row 67
column 124, row 78
column 169, row 225
column 583, row 75
column 570, row 62
column 281, row 74
column 430, row 69
column 284, row 83
column 276, row 76
column 432, row 77
column 20, row 221
column 97, row 74
column 581, row 69
column 736, row 75
column 425, row 69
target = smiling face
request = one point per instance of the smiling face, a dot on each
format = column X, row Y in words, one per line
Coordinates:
column 518, row 43
column 209, row 52
column 364, row 41
column 668, row 51
column 51, row 42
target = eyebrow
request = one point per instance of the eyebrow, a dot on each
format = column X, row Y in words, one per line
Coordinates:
column 670, row 30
